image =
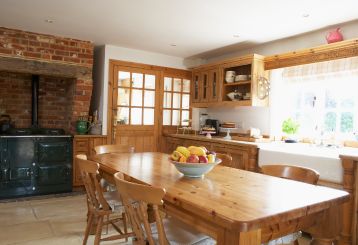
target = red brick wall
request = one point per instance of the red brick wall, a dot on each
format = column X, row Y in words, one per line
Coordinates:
column 15, row 89
column 54, row 100
column 45, row 47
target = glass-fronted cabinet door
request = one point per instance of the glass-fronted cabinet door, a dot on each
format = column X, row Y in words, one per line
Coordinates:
column 204, row 87
column 195, row 96
column 214, row 85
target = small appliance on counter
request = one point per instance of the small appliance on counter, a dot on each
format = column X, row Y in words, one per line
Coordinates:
column 211, row 126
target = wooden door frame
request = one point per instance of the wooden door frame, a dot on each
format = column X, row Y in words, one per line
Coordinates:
column 161, row 73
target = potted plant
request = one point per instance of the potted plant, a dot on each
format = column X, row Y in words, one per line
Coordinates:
column 290, row 127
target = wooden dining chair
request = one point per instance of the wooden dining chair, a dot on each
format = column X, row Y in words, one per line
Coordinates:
column 136, row 198
column 104, row 149
column 302, row 174
column 101, row 205
column 225, row 158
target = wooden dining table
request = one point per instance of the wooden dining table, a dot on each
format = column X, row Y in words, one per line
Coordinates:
column 235, row 206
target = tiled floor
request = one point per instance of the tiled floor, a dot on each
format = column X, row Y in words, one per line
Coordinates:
column 51, row 221
column 48, row 221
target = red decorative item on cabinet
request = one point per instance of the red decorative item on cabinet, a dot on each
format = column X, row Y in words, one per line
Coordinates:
column 334, row 36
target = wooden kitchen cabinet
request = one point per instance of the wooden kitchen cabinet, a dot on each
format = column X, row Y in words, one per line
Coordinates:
column 171, row 144
column 209, row 87
column 206, row 87
column 84, row 144
column 253, row 67
column 243, row 156
column 240, row 155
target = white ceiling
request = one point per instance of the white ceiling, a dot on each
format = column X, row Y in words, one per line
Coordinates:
column 195, row 26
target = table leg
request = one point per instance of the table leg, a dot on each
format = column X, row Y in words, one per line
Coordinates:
column 242, row 238
column 250, row 237
column 328, row 227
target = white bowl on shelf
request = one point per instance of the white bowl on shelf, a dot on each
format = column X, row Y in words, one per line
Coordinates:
column 234, row 96
column 230, row 79
column 241, row 78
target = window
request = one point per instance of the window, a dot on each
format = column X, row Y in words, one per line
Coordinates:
column 322, row 97
column 176, row 100
column 136, row 98
column 329, row 109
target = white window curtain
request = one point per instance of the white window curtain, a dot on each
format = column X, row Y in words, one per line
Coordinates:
column 316, row 94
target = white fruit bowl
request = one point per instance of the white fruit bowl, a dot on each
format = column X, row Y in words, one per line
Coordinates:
column 195, row 170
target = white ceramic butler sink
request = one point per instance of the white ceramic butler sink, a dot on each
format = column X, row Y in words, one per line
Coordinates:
column 323, row 159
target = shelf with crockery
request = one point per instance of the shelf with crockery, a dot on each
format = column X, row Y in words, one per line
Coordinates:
column 237, row 83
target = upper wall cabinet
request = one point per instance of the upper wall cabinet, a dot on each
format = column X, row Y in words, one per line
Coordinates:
column 206, row 86
column 237, row 82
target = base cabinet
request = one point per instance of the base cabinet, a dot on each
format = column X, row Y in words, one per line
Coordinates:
column 243, row 156
column 84, row 144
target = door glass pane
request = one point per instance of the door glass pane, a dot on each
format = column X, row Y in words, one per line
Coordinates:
column 176, row 100
column 123, row 115
column 136, row 97
column 177, row 84
column 166, row 117
column 136, row 116
column 185, row 102
column 186, row 86
column 148, row 117
column 176, row 117
column 167, row 84
column 149, row 81
column 185, row 118
column 123, row 96
column 137, row 80
column 124, row 83
column 167, row 103
column 123, row 79
column 149, row 98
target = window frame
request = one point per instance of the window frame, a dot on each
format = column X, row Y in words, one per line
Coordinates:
column 181, row 94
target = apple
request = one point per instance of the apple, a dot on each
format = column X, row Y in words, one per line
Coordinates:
column 192, row 159
column 203, row 159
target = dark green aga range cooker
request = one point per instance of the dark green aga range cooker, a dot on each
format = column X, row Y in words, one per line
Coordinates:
column 35, row 162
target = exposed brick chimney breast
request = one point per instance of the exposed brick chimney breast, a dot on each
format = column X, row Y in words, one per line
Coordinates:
column 63, row 97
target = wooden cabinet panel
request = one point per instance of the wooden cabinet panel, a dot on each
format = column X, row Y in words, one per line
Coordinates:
column 84, row 144
column 172, row 144
column 214, row 85
column 196, row 80
column 243, row 156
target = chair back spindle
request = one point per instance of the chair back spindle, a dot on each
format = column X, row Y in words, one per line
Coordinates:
column 91, row 180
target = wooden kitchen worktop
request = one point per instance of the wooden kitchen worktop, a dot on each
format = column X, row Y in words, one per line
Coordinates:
column 214, row 139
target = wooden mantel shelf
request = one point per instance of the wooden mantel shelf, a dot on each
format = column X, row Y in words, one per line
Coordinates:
column 338, row 50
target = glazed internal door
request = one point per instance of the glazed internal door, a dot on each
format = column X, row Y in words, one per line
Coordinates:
column 134, row 108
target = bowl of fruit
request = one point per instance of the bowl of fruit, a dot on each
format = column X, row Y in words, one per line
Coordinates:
column 194, row 161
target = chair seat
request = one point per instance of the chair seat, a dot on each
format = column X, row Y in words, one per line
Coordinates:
column 286, row 239
column 114, row 201
column 178, row 232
